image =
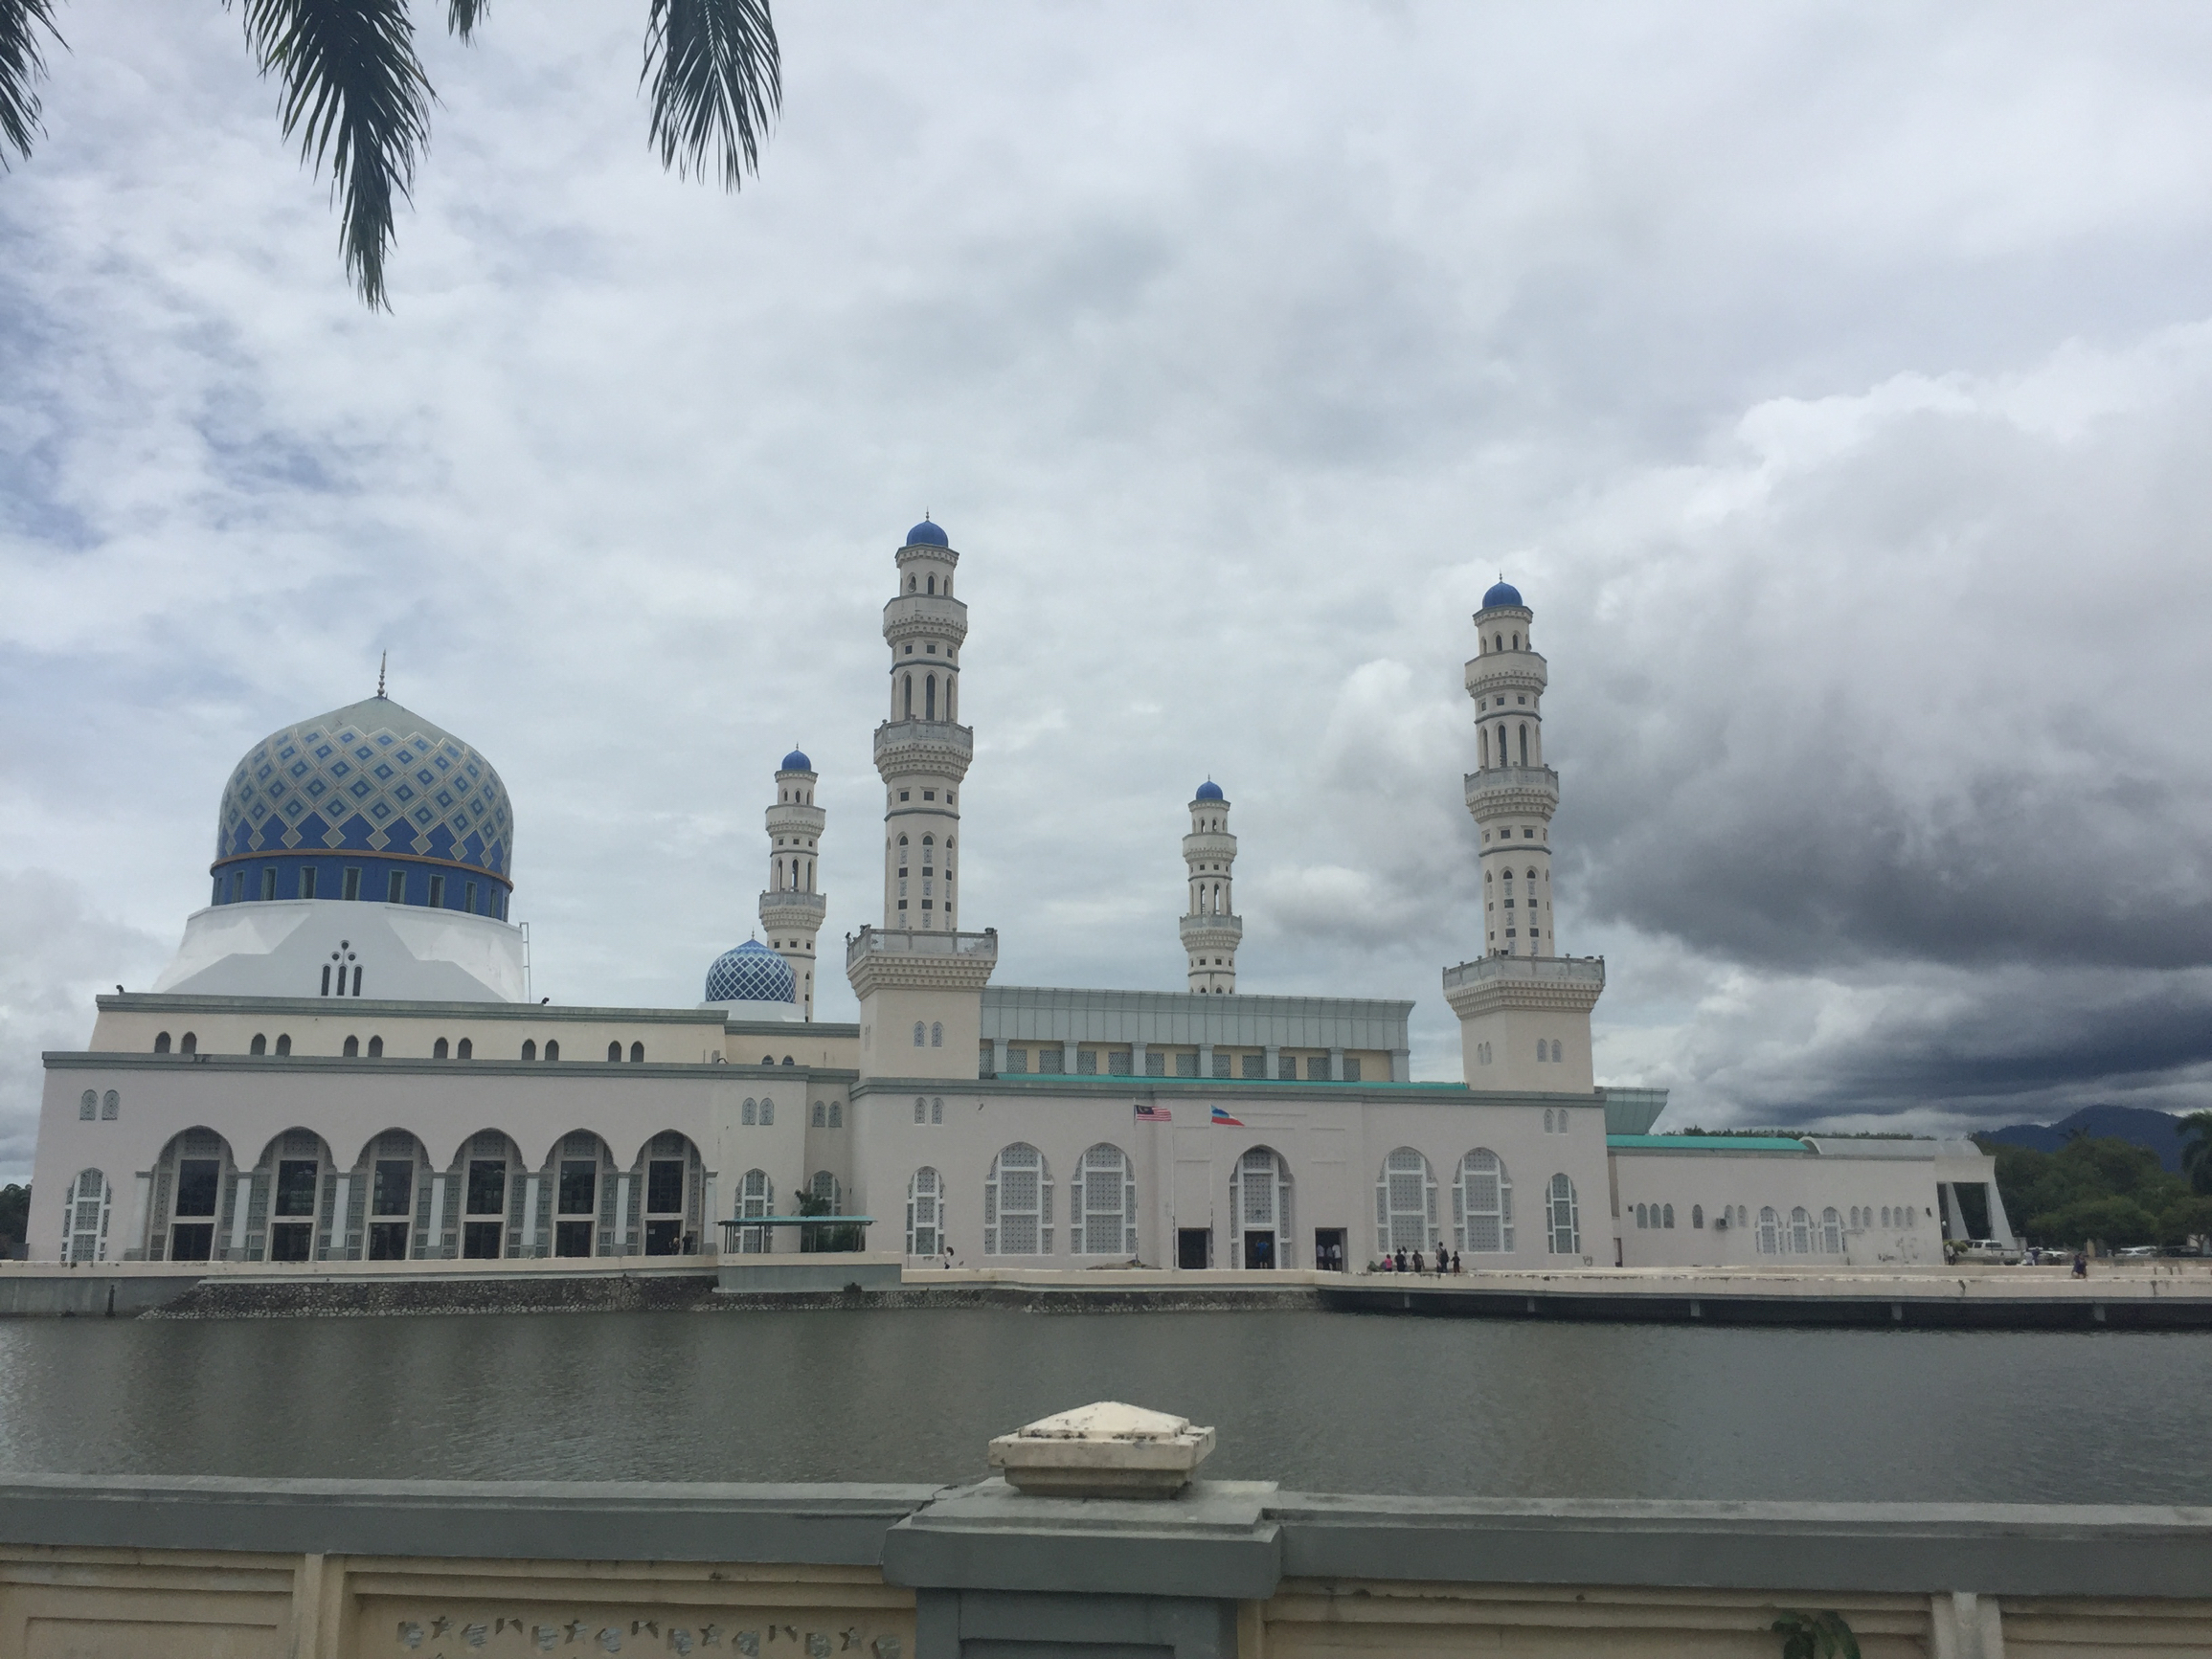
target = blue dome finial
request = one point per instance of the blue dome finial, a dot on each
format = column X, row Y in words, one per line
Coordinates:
column 1210, row 791
column 926, row 536
column 1503, row 593
column 795, row 761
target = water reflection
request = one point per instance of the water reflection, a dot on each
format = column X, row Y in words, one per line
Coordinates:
column 1326, row 1403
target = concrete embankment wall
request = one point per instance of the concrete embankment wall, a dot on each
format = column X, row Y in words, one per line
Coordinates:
column 123, row 1568
column 2147, row 1298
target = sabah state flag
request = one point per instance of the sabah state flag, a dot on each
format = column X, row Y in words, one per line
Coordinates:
column 1222, row 1118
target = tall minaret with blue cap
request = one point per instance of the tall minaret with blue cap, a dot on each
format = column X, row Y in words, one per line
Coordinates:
column 1211, row 928
column 918, row 977
column 1523, row 1010
column 792, row 906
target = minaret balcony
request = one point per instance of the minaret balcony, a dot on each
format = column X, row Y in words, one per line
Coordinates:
column 924, row 616
column 797, row 909
column 924, row 746
column 1554, row 983
column 792, row 815
column 1506, row 789
column 1211, row 928
column 880, row 959
column 1506, row 671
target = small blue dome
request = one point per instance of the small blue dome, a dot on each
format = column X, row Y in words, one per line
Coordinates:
column 926, row 535
column 1210, row 791
column 752, row 972
column 796, row 761
column 1502, row 593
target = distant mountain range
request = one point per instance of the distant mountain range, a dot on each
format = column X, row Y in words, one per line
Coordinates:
column 2158, row 1130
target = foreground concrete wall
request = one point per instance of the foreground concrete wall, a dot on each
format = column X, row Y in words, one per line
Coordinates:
column 118, row 1568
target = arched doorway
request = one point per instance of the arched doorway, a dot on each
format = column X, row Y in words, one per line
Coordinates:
column 489, row 1193
column 189, row 1197
column 583, row 1195
column 1260, row 1210
column 668, row 1179
column 394, row 1183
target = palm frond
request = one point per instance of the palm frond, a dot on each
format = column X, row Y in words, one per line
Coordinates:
column 21, row 67
column 355, row 91
column 716, row 84
column 461, row 16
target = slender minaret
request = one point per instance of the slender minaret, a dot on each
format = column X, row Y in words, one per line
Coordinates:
column 1212, row 927
column 792, row 908
column 918, row 978
column 1515, row 793
column 920, row 751
column 1523, row 1022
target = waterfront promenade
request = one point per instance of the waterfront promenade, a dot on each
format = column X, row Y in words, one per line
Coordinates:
column 2162, row 1294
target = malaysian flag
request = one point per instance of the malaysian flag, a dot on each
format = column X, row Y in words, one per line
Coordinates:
column 1146, row 1113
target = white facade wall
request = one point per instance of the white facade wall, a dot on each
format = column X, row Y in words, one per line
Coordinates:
column 1335, row 1144
column 349, row 1105
column 1885, row 1205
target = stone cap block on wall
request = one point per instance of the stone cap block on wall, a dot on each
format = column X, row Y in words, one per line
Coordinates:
column 1103, row 1451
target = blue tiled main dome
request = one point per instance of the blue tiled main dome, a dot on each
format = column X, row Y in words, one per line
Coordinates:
column 752, row 972
column 369, row 801
column 926, row 535
column 796, row 761
column 1210, row 791
column 1501, row 592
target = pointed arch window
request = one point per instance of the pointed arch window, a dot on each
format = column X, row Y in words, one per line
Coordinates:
column 1018, row 1204
column 1102, row 1204
column 925, row 1213
column 1801, row 1231
column 1831, row 1231
column 930, row 698
column 1482, row 1204
column 86, row 1238
column 1405, row 1202
column 755, row 1197
column 936, row 1034
column 1770, row 1231
column 1564, row 1217
column 1524, row 746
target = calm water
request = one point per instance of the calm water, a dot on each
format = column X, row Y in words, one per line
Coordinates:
column 1319, row 1402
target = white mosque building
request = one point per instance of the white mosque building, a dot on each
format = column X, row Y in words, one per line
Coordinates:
column 343, row 1060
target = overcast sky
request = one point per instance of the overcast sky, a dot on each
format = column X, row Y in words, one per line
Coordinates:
column 1835, row 383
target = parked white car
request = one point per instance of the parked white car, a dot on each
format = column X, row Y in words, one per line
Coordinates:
column 1987, row 1251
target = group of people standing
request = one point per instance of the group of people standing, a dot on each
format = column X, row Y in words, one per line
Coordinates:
column 1404, row 1260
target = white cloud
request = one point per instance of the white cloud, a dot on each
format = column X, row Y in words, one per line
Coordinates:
column 1832, row 382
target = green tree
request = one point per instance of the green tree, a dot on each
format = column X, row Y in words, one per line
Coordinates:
column 354, row 90
column 15, row 1214
column 2098, row 1188
column 2197, row 1149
